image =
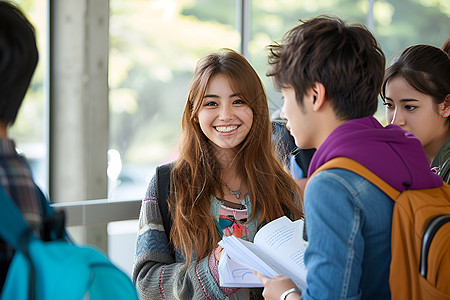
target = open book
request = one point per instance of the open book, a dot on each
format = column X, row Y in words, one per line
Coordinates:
column 277, row 249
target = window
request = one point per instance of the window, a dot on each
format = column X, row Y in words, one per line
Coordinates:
column 395, row 23
column 154, row 46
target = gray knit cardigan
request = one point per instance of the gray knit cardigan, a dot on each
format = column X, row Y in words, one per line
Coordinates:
column 155, row 273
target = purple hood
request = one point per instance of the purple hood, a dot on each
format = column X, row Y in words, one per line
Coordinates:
column 393, row 154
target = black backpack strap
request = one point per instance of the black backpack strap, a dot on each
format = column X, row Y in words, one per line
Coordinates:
column 433, row 226
column 54, row 221
column 162, row 193
column 303, row 158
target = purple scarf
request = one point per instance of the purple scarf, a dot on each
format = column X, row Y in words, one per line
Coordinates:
column 390, row 152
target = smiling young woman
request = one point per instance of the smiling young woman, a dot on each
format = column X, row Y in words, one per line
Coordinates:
column 224, row 117
column 226, row 181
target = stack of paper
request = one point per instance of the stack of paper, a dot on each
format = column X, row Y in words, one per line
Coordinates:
column 233, row 274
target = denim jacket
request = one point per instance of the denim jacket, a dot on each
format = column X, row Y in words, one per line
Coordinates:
column 348, row 222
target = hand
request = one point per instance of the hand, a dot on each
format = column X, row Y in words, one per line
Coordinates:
column 275, row 286
column 218, row 252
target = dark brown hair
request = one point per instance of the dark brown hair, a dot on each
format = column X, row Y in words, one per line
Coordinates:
column 18, row 59
column 197, row 172
column 425, row 68
column 346, row 59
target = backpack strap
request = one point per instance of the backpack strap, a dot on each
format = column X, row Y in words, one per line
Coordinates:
column 354, row 166
column 12, row 225
column 163, row 190
column 16, row 233
column 53, row 221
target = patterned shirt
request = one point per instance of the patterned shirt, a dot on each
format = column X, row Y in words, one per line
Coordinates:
column 16, row 179
column 233, row 222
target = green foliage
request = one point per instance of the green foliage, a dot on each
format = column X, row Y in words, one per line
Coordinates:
column 412, row 22
column 154, row 48
column 155, row 44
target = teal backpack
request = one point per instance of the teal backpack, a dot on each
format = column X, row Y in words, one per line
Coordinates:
column 56, row 269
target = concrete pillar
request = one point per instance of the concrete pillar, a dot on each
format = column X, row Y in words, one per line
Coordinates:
column 79, row 47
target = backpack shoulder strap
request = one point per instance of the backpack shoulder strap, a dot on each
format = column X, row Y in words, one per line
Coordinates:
column 12, row 225
column 163, row 190
column 354, row 166
column 15, row 231
column 54, row 221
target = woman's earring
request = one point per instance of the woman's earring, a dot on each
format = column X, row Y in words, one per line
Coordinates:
column 444, row 114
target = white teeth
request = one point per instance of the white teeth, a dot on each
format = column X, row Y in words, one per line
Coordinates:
column 226, row 128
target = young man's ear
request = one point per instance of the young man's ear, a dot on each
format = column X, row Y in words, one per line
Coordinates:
column 318, row 94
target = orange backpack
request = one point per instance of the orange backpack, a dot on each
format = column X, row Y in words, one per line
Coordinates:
column 420, row 241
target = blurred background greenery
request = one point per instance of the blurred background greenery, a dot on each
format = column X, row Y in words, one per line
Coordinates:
column 155, row 44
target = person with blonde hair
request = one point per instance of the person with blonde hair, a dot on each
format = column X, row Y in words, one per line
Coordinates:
column 226, row 181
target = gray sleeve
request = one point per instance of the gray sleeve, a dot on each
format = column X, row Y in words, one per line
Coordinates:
column 155, row 273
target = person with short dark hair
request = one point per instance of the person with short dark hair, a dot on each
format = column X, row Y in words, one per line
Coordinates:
column 18, row 60
column 416, row 93
column 330, row 74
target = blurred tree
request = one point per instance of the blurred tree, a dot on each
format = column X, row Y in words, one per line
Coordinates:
column 155, row 45
column 401, row 23
column 154, row 48
column 398, row 24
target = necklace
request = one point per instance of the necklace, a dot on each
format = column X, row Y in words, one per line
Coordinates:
column 236, row 193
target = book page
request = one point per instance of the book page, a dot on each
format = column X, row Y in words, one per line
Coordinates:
column 233, row 274
column 245, row 257
column 283, row 240
column 277, row 252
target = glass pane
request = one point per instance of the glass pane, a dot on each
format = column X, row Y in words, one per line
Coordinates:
column 400, row 23
column 396, row 24
column 154, row 46
column 30, row 129
column 122, row 243
column 271, row 19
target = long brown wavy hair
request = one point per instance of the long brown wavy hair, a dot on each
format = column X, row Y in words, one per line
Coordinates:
column 196, row 174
